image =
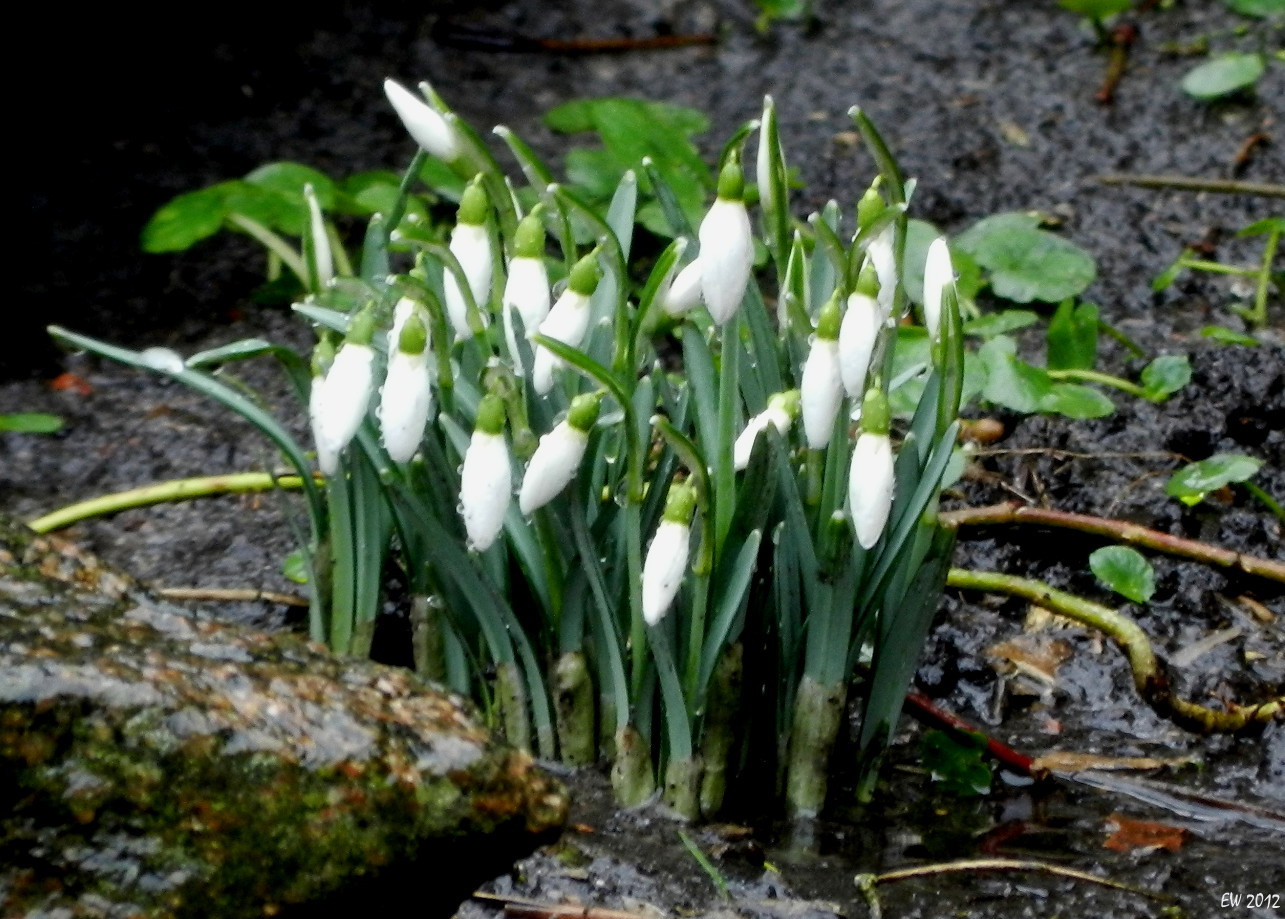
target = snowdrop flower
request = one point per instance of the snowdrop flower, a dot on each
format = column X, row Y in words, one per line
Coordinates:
column 339, row 399
column 423, row 122
column 880, row 252
column 323, row 263
column 727, row 247
column 780, row 412
column 870, row 478
column 938, row 272
column 558, row 456
column 568, row 321
column 859, row 332
column 471, row 245
column 406, row 401
column 666, row 561
column 486, row 482
column 526, row 292
column 682, row 292
column 821, row 390
column 768, row 138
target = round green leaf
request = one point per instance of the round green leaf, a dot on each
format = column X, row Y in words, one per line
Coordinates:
column 1165, row 376
column 1011, row 382
column 1191, row 483
column 1224, row 74
column 993, row 324
column 1125, row 571
column 1025, row 262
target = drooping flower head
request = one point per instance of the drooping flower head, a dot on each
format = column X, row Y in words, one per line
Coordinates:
column 568, row 320
column 471, row 246
column 339, row 399
column 424, row 123
column 558, row 456
column 486, row 481
column 882, row 255
column 870, row 478
column 406, row 399
column 727, row 245
column 780, row 412
column 526, row 291
column 821, row 390
column 666, row 561
column 860, row 331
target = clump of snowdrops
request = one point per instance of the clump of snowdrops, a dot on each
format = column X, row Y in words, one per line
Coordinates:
column 666, row 519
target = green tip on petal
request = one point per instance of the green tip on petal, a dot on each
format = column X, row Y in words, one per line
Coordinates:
column 868, row 280
column 474, row 204
column 787, row 401
column 490, row 415
column 585, row 274
column 876, row 417
column 731, row 181
column 414, row 337
column 679, row 503
column 528, row 241
column 830, row 319
column 323, row 355
column 583, row 414
column 362, row 328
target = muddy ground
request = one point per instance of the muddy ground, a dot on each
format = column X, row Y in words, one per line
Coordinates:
column 991, row 106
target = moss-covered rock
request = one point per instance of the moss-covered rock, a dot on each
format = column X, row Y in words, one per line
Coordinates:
column 154, row 764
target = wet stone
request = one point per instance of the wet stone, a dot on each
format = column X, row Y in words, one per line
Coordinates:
column 155, row 764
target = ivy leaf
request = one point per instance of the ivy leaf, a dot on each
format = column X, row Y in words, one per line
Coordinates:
column 993, row 324
column 1073, row 336
column 1011, row 382
column 1165, row 376
column 295, row 568
column 186, row 220
column 1192, row 482
column 1227, row 336
column 31, row 423
column 1025, row 262
column 955, row 762
column 1223, row 75
column 1125, row 571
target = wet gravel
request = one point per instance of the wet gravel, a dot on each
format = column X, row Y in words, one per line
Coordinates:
column 991, row 106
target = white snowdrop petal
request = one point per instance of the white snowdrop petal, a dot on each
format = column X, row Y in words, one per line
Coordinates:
column 744, row 446
column 552, row 467
column 471, row 245
column 422, row 122
column 683, row 292
column 820, row 392
column 938, row 272
column 726, row 256
column 663, row 569
column 526, row 293
column 406, row 401
column 882, row 254
column 340, row 405
column 870, row 485
column 857, row 336
column 568, row 321
column 486, row 486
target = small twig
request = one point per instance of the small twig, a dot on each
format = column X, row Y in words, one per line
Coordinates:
column 230, row 594
column 1191, row 183
column 867, row 882
column 522, row 908
column 1120, row 530
column 926, row 710
column 161, row 493
column 1149, row 676
column 1121, row 40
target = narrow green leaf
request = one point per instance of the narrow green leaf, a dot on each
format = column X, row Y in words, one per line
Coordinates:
column 1228, row 336
column 1073, row 336
column 1125, row 571
column 31, row 423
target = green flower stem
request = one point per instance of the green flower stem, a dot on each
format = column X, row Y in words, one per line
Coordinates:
column 273, row 242
column 235, row 483
column 1259, row 314
column 512, row 701
column 573, row 690
column 428, row 638
column 719, row 727
column 1149, row 676
column 1097, row 376
column 1120, row 530
column 1265, row 499
column 1219, row 268
column 632, row 777
column 818, row 712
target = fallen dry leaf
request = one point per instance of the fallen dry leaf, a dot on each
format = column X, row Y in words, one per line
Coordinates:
column 1129, row 834
column 70, row 381
column 1070, row 761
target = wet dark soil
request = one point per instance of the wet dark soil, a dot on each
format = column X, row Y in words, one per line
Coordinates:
column 991, row 106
